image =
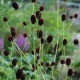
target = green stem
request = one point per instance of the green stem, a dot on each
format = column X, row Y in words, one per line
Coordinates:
column 57, row 29
column 67, row 28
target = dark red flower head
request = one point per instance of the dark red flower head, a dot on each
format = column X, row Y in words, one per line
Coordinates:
column 15, row 5
column 64, row 41
column 25, row 35
column 33, row 19
column 41, row 21
column 70, row 72
column 47, row 64
column 10, row 38
column 71, row 17
column 12, row 29
column 5, row 19
column 13, row 32
column 42, row 40
column 14, row 62
column 63, row 17
column 6, row 53
column 49, row 38
column 62, row 61
column 22, row 77
column 41, row 8
column 39, row 33
column 75, row 16
column 19, row 73
column 76, row 42
column 68, row 61
column 38, row 14
column 53, row 63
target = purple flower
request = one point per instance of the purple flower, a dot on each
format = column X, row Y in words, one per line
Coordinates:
column 22, row 43
column 1, row 43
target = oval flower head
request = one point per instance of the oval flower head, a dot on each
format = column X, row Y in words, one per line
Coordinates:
column 1, row 43
column 22, row 43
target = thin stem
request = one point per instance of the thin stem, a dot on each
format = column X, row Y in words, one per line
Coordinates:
column 63, row 30
column 34, row 50
column 22, row 53
column 33, row 8
column 8, row 26
column 30, row 31
column 42, row 52
column 57, row 29
column 67, row 28
column 63, row 39
column 56, row 50
column 66, row 74
column 52, row 71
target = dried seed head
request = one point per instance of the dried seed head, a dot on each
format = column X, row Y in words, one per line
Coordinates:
column 63, row 17
column 76, row 42
column 33, row 19
column 75, row 16
column 5, row 19
column 49, row 38
column 41, row 21
column 70, row 72
column 33, row 0
column 25, row 35
column 39, row 33
column 68, row 61
column 14, row 62
column 62, row 61
column 64, row 41
column 15, row 5
column 38, row 14
column 41, row 8
column 6, row 53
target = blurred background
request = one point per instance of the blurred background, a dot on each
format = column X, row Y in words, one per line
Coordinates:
column 68, row 7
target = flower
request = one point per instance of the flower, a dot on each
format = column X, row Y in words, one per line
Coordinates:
column 22, row 43
column 15, row 5
column 1, row 43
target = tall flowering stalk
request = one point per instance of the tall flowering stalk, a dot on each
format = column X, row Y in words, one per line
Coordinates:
column 40, row 63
